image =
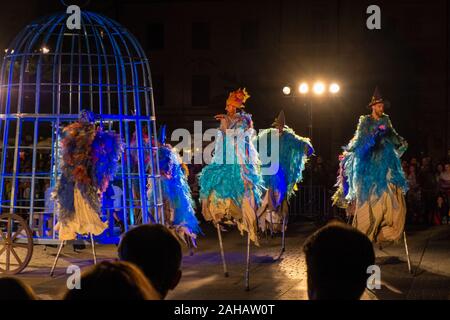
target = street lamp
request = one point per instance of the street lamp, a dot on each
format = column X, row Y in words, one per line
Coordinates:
column 286, row 90
column 334, row 88
column 319, row 88
column 303, row 88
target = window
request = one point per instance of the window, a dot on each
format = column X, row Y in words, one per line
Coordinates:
column 200, row 36
column 158, row 89
column 200, row 90
column 249, row 35
column 155, row 36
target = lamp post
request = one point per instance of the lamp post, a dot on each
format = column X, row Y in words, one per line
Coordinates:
column 319, row 89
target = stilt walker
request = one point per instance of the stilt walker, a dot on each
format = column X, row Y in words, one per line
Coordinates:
column 293, row 153
column 89, row 160
column 371, row 177
column 178, row 205
column 231, row 185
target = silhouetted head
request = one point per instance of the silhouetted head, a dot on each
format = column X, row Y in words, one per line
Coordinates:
column 155, row 250
column 15, row 289
column 117, row 280
column 337, row 258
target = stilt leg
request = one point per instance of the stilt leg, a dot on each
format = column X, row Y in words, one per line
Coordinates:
column 52, row 271
column 283, row 237
column 190, row 245
column 349, row 219
column 407, row 252
column 271, row 224
column 93, row 249
column 222, row 253
column 283, row 240
column 247, row 267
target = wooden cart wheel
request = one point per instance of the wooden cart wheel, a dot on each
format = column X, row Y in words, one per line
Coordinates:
column 16, row 244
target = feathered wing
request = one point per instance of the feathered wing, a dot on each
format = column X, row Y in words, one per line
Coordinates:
column 106, row 151
column 293, row 152
column 176, row 190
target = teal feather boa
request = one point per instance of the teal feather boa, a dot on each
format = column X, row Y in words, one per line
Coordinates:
column 227, row 182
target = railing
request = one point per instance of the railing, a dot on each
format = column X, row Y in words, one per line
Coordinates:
column 311, row 202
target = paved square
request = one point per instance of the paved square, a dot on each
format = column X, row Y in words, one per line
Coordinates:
column 270, row 279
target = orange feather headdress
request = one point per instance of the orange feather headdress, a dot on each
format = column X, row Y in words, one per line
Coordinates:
column 237, row 98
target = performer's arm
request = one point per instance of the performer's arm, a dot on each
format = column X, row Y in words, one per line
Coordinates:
column 224, row 121
column 399, row 142
column 363, row 140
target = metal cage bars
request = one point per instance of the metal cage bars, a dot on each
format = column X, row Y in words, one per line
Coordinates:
column 116, row 70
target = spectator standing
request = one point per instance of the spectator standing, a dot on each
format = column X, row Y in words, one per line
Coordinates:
column 405, row 166
column 320, row 175
column 412, row 177
column 413, row 162
column 118, row 207
column 439, row 170
column 429, row 188
column 444, row 180
column 413, row 196
column 108, row 207
column 49, row 208
column 440, row 214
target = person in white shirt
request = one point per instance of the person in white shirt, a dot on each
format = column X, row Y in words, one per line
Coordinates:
column 118, row 207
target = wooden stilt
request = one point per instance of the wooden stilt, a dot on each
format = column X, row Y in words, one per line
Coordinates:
column 271, row 223
column 52, row 271
column 93, row 249
column 222, row 253
column 190, row 245
column 247, row 267
column 407, row 252
column 283, row 237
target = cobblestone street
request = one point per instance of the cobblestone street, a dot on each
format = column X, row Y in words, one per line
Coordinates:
column 270, row 279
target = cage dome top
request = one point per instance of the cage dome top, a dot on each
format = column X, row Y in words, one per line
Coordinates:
column 50, row 70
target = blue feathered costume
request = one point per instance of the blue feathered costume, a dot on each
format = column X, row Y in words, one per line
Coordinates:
column 88, row 161
column 231, row 185
column 293, row 152
column 178, row 205
column 372, row 180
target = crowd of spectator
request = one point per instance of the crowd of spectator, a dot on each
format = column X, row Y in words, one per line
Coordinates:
column 428, row 198
column 429, row 191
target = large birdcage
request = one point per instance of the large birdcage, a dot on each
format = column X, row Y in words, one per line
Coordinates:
column 49, row 74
